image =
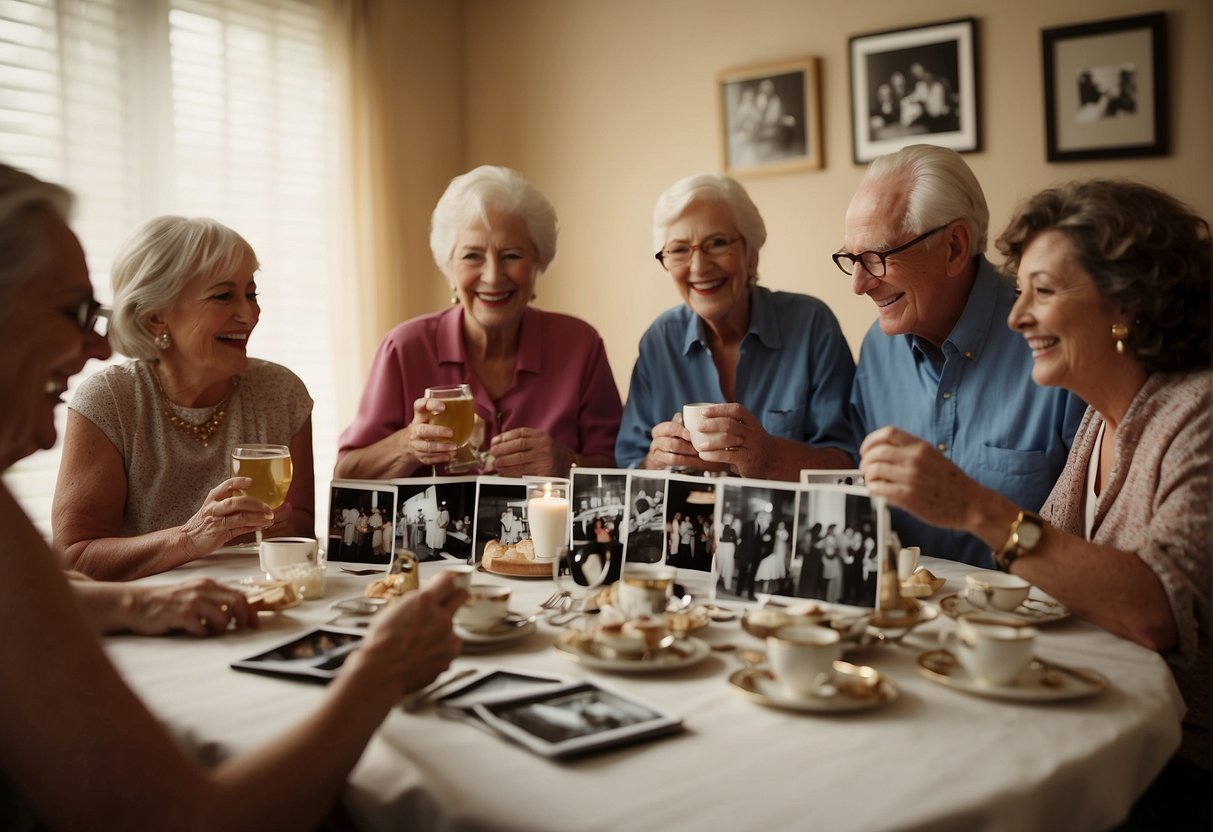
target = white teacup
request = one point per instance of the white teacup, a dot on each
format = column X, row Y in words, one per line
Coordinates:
column 645, row 589
column 462, row 574
column 802, row 658
column 486, row 607
column 279, row 552
column 994, row 653
column 996, row 590
column 692, row 420
column 907, row 561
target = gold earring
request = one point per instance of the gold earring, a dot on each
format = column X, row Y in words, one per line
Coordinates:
column 1120, row 332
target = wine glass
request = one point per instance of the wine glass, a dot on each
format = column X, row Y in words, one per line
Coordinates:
column 270, row 469
column 581, row 571
column 459, row 414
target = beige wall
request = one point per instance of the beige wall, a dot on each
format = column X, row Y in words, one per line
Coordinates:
column 603, row 103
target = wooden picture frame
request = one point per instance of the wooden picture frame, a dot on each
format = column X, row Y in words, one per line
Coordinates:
column 1106, row 89
column 770, row 118
column 913, row 86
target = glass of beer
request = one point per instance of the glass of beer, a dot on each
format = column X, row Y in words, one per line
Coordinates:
column 459, row 414
column 269, row 467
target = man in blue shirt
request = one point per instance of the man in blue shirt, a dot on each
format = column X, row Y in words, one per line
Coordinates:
column 940, row 363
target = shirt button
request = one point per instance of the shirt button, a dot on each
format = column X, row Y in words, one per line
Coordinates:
column 947, row 395
column 943, row 446
column 968, row 354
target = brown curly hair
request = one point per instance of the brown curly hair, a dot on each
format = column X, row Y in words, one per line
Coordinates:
column 1146, row 251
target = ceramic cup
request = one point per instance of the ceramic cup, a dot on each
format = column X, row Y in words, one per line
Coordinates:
column 486, row 607
column 907, row 562
column 279, row 552
column 996, row 590
column 644, row 590
column 462, row 574
column 624, row 642
column 802, row 658
column 692, row 419
column 995, row 654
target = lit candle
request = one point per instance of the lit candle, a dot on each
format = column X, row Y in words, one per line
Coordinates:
column 548, row 517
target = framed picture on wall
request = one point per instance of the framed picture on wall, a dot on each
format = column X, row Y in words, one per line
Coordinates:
column 912, row 86
column 1106, row 90
column 770, row 118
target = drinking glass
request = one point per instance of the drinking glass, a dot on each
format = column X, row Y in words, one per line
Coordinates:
column 460, row 416
column 581, row 572
column 269, row 467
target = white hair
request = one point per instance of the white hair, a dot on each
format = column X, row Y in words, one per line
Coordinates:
column 155, row 264
column 471, row 196
column 23, row 248
column 711, row 187
column 942, row 189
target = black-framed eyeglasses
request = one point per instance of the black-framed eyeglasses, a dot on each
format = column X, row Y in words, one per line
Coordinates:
column 89, row 312
column 874, row 261
column 679, row 254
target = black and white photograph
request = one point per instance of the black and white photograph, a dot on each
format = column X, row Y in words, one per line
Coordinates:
column 1106, row 89
column 915, row 85
column 645, row 537
column 754, row 539
column 838, row 543
column 771, row 117
column 362, row 517
column 831, row 476
column 317, row 655
column 435, row 520
column 689, row 522
column 499, row 526
column 599, row 512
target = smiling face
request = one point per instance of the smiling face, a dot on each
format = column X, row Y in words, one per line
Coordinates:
column 493, row 272
column 717, row 289
column 46, row 346
column 1065, row 320
column 210, row 324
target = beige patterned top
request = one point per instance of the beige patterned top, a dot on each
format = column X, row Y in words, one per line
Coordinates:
column 1156, row 503
column 167, row 472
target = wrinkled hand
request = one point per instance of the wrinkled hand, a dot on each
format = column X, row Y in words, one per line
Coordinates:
column 912, row 475
column 412, row 641
column 671, row 446
column 524, row 451
column 430, row 444
column 225, row 515
column 737, row 440
column 200, row 607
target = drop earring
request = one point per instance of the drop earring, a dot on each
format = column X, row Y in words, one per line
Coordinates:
column 1120, row 332
column 164, row 340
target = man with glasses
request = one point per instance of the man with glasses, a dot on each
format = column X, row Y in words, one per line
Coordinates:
column 940, row 365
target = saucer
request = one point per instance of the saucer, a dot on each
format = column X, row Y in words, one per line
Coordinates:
column 917, row 615
column 506, row 631
column 759, row 684
column 1031, row 611
column 1043, row 681
column 678, row 656
column 852, row 627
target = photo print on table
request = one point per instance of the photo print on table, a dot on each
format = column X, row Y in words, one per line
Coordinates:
column 690, row 518
column 831, row 476
column 435, row 518
column 599, row 512
column 362, row 516
column 501, row 540
column 839, row 539
column 754, row 532
column 644, row 538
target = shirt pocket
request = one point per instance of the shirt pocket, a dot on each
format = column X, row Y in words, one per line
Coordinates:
column 788, row 424
column 1023, row 476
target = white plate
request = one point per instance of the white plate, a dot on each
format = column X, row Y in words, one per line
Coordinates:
column 1042, row 682
column 505, row 632
column 679, row 655
column 759, row 684
column 1031, row 611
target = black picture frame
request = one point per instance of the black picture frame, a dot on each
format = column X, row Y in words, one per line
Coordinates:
column 916, row 85
column 1107, row 94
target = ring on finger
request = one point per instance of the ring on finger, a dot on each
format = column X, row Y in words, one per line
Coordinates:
column 202, row 620
column 224, row 608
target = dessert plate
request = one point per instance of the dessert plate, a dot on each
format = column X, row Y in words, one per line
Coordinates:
column 854, row 688
column 1031, row 611
column 512, row 628
column 678, row 656
column 1043, row 681
column 517, row 568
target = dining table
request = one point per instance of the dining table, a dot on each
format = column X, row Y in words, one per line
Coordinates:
column 933, row 757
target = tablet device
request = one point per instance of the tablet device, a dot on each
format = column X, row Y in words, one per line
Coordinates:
column 316, row 655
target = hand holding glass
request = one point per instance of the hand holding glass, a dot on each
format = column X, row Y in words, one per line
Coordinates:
column 270, row 469
column 458, row 414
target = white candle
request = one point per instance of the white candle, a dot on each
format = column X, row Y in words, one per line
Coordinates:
column 548, row 517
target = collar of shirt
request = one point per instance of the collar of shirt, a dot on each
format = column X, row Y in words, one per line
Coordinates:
column 451, row 349
column 981, row 315
column 764, row 324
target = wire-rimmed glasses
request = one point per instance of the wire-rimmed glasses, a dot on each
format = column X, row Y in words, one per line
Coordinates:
column 873, row 262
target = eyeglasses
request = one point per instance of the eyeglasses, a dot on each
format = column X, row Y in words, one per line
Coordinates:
column 89, row 312
column 874, row 261
column 679, row 254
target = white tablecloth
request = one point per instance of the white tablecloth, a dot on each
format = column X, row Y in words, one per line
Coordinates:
column 935, row 759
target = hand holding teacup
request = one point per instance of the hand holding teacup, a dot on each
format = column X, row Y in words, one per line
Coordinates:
column 487, row 605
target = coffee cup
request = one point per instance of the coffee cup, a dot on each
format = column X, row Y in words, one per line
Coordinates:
column 692, row 420
column 486, row 607
column 996, row 590
column 645, row 589
column 462, row 574
column 279, row 552
column 652, row 632
column 613, row 636
column 994, row 653
column 802, row 658
column 907, row 561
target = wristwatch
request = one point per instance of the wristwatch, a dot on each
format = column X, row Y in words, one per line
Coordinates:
column 1026, row 533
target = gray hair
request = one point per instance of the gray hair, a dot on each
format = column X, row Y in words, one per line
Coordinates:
column 472, row 195
column 711, row 187
column 23, row 250
column 155, row 264
column 942, row 189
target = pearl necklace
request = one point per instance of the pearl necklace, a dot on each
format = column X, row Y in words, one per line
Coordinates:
column 204, row 431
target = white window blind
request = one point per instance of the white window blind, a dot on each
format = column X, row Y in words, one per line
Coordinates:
column 215, row 108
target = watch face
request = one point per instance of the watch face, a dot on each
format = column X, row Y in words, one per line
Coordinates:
column 1028, row 534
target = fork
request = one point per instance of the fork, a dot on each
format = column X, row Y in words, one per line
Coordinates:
column 555, row 601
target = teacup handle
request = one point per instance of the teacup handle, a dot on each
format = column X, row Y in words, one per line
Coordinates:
column 979, row 597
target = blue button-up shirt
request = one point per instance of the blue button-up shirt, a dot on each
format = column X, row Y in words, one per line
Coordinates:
column 976, row 402
column 794, row 373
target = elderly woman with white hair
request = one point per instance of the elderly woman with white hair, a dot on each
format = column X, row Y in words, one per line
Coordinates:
column 144, row 480
column 542, row 385
column 775, row 362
